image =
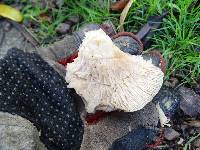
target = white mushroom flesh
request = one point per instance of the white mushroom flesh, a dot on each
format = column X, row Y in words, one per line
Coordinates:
column 109, row 79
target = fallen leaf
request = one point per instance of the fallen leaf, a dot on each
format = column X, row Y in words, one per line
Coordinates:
column 124, row 14
column 45, row 17
column 119, row 5
column 11, row 13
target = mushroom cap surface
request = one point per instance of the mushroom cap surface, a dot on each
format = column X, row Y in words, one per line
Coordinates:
column 108, row 79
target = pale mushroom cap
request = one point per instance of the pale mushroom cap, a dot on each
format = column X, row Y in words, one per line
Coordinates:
column 109, row 79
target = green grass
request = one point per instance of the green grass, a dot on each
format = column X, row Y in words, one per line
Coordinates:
column 178, row 38
column 187, row 145
column 89, row 10
column 92, row 10
column 140, row 11
column 44, row 31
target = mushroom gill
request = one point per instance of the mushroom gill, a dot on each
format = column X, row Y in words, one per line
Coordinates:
column 108, row 79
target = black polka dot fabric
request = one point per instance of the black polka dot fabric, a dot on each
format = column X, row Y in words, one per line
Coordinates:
column 29, row 87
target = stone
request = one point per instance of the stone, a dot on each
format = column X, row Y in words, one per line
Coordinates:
column 74, row 19
column 135, row 140
column 170, row 134
column 18, row 133
column 169, row 100
column 63, row 28
column 114, row 126
column 190, row 103
column 128, row 45
column 12, row 38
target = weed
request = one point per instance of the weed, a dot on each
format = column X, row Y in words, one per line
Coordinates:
column 188, row 144
column 140, row 11
column 45, row 30
column 92, row 10
column 178, row 39
column 89, row 10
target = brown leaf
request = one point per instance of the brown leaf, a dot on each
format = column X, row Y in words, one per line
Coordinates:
column 119, row 5
column 45, row 17
column 124, row 14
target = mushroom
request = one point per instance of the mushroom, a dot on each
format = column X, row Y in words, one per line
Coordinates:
column 108, row 79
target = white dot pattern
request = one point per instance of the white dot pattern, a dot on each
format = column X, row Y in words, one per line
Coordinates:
column 29, row 87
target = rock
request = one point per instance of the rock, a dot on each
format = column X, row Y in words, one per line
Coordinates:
column 170, row 134
column 114, row 126
column 134, row 140
column 12, row 38
column 169, row 100
column 128, row 44
column 63, row 28
column 74, row 19
column 18, row 133
column 190, row 103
